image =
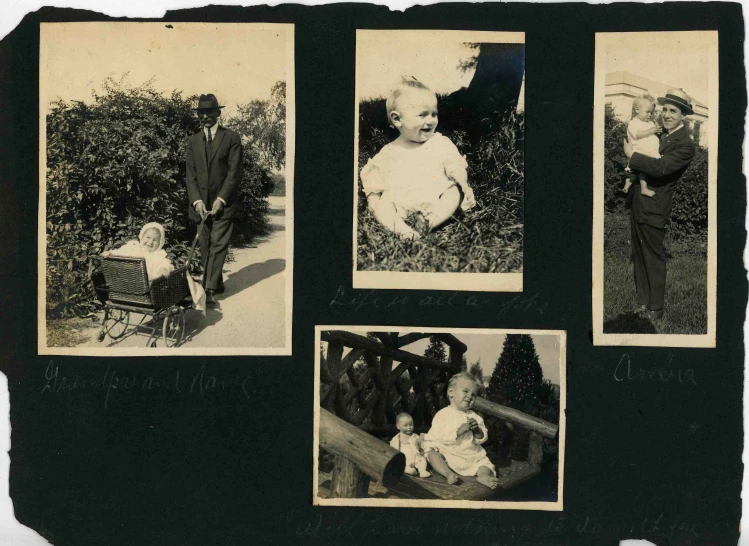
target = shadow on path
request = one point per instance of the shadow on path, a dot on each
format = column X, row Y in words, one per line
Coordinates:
column 195, row 322
column 252, row 274
column 629, row 323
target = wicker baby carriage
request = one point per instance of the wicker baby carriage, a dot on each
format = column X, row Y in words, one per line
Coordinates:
column 122, row 285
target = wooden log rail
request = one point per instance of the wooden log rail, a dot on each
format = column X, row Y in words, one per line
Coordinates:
column 523, row 420
column 356, row 341
column 359, row 458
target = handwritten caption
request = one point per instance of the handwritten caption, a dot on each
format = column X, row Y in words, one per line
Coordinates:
column 116, row 382
column 666, row 374
column 356, row 526
column 371, row 299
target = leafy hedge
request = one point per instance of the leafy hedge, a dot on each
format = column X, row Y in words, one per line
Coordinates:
column 689, row 213
column 114, row 165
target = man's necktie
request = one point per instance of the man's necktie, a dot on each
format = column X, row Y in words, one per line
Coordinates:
column 208, row 142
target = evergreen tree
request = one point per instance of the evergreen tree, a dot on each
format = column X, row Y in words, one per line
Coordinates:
column 476, row 371
column 517, row 375
column 436, row 350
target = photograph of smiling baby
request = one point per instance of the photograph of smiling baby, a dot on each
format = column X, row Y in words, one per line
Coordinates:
column 459, row 418
column 439, row 160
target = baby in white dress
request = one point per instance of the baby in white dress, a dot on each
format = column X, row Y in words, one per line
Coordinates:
column 409, row 444
column 641, row 132
column 419, row 172
column 149, row 246
column 453, row 444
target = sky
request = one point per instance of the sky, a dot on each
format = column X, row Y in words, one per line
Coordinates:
column 236, row 62
column 488, row 347
column 433, row 58
column 674, row 58
column 381, row 63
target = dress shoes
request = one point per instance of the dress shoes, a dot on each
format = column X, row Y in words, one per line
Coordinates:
column 209, row 299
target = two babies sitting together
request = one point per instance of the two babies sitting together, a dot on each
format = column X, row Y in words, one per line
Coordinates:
column 452, row 447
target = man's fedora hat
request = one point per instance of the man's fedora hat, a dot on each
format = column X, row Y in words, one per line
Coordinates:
column 678, row 98
column 207, row 102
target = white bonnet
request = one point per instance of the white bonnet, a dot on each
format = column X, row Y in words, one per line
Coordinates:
column 158, row 227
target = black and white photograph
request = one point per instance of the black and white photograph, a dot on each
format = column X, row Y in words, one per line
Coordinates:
column 439, row 160
column 166, row 184
column 655, row 180
column 442, row 418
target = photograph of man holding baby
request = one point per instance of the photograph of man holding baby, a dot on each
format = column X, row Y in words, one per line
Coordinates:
column 459, row 418
column 160, row 148
column 656, row 175
column 439, row 160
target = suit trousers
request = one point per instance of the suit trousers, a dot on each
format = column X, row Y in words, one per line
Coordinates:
column 649, row 264
column 214, row 244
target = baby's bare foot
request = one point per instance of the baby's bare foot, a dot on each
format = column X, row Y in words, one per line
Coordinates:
column 452, row 478
column 411, row 471
column 488, row 481
column 649, row 193
column 424, row 474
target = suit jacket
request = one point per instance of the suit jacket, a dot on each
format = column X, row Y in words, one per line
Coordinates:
column 220, row 176
column 677, row 151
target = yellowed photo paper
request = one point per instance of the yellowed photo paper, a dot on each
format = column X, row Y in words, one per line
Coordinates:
column 439, row 174
column 655, row 157
column 439, row 418
column 166, row 188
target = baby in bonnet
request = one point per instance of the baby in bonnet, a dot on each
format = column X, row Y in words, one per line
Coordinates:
column 421, row 172
column 149, row 247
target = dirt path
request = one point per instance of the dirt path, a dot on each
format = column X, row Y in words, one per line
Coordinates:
column 251, row 313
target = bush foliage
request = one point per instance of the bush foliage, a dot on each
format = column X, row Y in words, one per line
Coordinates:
column 688, row 222
column 115, row 164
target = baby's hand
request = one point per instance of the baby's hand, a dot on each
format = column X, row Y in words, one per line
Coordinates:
column 462, row 429
column 472, row 424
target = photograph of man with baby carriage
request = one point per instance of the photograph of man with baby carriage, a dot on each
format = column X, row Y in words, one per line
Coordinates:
column 439, row 173
column 470, row 418
column 655, row 188
column 166, row 190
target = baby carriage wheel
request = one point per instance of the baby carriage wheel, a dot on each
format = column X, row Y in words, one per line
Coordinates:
column 174, row 327
column 116, row 322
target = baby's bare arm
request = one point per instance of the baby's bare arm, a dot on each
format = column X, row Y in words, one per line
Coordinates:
column 646, row 132
column 457, row 173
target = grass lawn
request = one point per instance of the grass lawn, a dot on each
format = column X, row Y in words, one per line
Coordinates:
column 486, row 239
column 686, row 286
column 476, row 242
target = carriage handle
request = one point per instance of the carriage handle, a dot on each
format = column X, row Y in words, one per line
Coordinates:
column 197, row 236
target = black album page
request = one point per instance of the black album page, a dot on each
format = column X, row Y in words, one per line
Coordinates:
column 349, row 275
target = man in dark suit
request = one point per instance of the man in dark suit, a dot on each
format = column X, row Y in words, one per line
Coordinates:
column 214, row 173
column 649, row 215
